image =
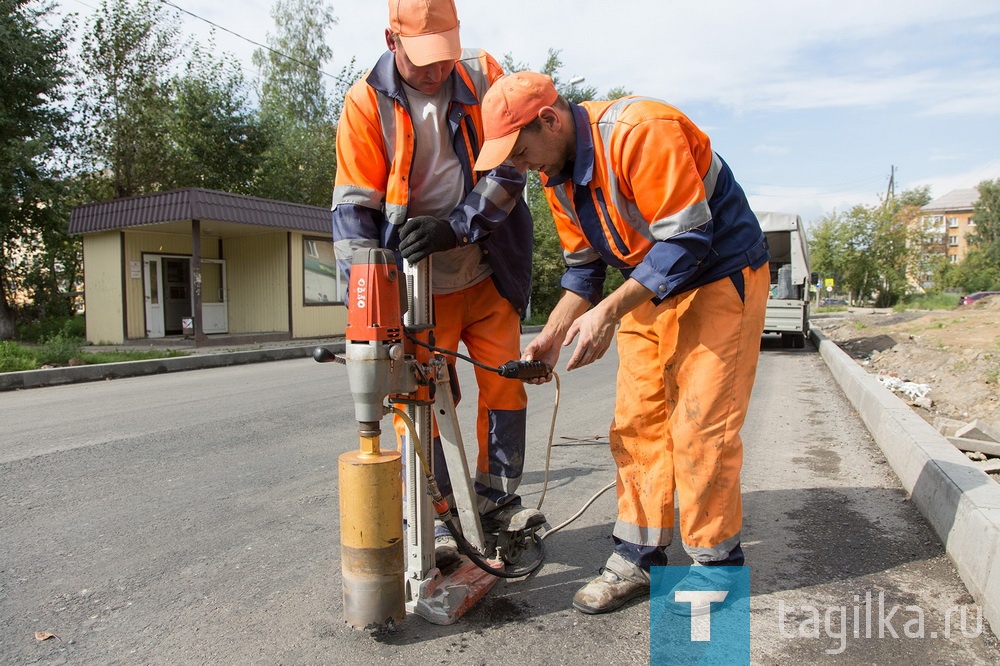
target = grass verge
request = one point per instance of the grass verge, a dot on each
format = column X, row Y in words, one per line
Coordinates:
column 60, row 350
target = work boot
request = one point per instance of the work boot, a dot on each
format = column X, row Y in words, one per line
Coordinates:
column 512, row 518
column 620, row 581
column 445, row 547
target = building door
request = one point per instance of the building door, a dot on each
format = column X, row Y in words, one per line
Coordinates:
column 169, row 295
column 214, row 306
column 176, row 293
column 153, row 290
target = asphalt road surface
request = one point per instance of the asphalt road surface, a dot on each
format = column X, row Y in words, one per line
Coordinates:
column 191, row 518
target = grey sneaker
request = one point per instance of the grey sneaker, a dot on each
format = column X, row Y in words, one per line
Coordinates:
column 512, row 518
column 445, row 551
column 620, row 582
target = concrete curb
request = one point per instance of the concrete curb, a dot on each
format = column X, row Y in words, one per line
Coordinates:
column 10, row 381
column 961, row 503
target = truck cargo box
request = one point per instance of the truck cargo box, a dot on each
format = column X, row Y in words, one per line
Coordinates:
column 788, row 305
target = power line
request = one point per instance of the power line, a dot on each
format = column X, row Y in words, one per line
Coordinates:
column 255, row 43
column 80, row 2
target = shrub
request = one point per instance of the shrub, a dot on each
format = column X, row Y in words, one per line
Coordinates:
column 59, row 349
column 15, row 358
column 928, row 301
column 41, row 330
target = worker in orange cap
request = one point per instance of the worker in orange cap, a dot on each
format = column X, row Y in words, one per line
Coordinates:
column 407, row 139
column 635, row 185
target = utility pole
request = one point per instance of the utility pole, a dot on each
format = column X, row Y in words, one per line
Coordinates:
column 891, row 193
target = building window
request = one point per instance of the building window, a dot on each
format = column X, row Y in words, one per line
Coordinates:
column 322, row 280
column 953, row 241
column 953, row 259
column 953, row 223
column 971, row 222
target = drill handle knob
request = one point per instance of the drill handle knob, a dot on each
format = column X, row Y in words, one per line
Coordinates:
column 324, row 355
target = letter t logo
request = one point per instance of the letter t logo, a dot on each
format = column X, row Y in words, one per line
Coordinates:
column 701, row 610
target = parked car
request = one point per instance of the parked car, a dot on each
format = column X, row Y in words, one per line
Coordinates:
column 972, row 298
column 832, row 302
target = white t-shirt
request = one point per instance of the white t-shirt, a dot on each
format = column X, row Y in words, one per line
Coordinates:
column 436, row 188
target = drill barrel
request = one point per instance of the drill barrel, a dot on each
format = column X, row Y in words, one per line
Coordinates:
column 371, row 535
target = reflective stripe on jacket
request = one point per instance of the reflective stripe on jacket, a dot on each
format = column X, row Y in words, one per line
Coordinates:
column 375, row 148
column 648, row 195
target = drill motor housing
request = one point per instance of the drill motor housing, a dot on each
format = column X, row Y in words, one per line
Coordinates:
column 375, row 351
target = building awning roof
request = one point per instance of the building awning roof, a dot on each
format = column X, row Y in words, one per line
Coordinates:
column 956, row 200
column 198, row 204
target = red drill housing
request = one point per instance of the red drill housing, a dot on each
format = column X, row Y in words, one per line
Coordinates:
column 375, row 297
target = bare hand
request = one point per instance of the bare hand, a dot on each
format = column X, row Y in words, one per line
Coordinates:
column 596, row 331
column 542, row 348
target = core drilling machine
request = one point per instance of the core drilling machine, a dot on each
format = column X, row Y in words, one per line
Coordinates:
column 390, row 355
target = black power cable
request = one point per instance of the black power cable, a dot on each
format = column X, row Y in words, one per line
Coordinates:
column 510, row 369
column 469, row 551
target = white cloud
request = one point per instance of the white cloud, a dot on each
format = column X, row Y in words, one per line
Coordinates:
column 801, row 71
column 964, row 179
column 811, row 203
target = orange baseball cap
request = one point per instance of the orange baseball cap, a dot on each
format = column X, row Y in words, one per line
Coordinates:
column 510, row 104
column 428, row 29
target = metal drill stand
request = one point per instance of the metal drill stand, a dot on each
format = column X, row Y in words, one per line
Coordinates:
column 384, row 362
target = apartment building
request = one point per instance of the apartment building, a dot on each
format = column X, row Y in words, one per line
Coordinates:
column 951, row 215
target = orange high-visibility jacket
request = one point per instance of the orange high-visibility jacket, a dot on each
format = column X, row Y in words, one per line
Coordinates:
column 648, row 195
column 375, row 148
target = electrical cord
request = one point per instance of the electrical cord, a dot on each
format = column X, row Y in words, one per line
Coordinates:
column 548, row 457
column 548, row 449
column 449, row 352
column 513, row 369
column 579, row 513
column 444, row 514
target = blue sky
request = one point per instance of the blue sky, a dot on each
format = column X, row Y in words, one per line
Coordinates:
column 811, row 102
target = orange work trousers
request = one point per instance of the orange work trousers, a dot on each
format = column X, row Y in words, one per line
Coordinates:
column 491, row 329
column 686, row 370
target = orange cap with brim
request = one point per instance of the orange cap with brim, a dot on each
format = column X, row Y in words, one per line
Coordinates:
column 510, row 104
column 428, row 29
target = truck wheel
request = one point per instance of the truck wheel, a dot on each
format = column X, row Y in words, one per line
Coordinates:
column 799, row 341
column 787, row 340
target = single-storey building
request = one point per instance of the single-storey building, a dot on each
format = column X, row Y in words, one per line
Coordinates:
column 208, row 264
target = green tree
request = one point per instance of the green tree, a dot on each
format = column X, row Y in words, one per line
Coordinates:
column 896, row 248
column 827, row 245
column 32, row 124
column 872, row 251
column 127, row 54
column 299, row 118
column 217, row 141
column 986, row 214
column 856, row 237
column 980, row 269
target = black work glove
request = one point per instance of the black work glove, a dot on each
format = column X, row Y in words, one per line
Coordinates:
column 423, row 235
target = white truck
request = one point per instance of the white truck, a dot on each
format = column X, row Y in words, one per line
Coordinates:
column 788, row 305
